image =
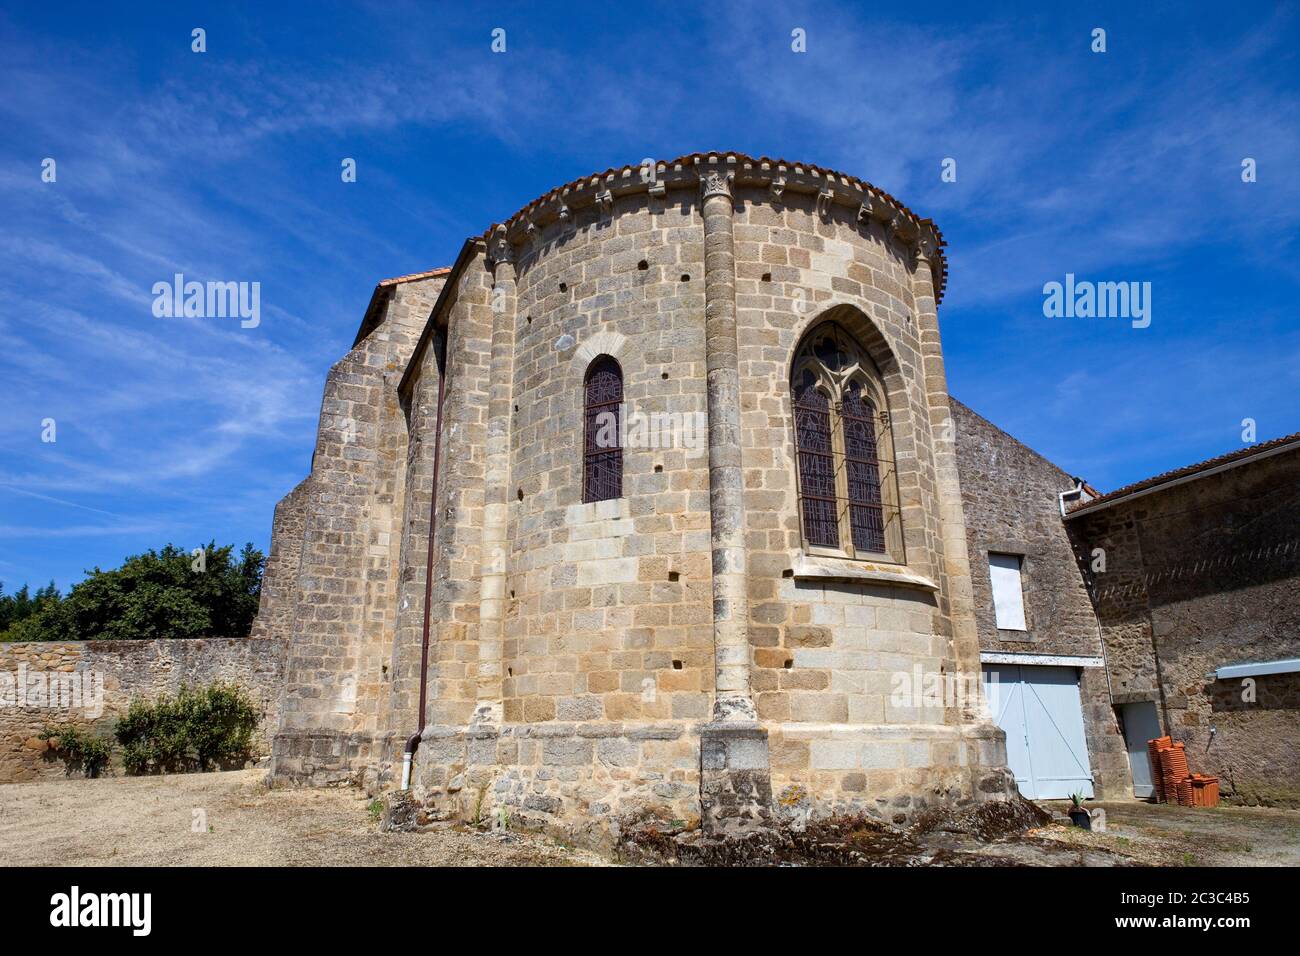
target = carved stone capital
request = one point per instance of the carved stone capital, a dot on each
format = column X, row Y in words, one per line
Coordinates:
column 716, row 182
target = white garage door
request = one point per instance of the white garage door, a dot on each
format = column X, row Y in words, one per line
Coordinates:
column 1039, row 709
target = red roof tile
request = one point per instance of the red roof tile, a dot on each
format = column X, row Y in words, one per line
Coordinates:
column 939, row 262
column 1188, row 471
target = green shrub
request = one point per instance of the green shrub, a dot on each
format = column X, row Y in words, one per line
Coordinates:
column 80, row 748
column 195, row 729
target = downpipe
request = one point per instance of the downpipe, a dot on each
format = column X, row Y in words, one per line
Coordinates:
column 413, row 741
column 408, row 754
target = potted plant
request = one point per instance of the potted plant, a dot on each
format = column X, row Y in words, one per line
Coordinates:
column 1078, row 815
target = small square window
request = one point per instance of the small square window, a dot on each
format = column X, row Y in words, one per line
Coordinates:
column 1008, row 591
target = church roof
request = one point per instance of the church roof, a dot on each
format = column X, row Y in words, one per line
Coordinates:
column 798, row 177
column 414, row 277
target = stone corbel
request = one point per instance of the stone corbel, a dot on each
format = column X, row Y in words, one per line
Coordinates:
column 606, row 200
column 893, row 226
column 866, row 214
column 499, row 248
column 777, row 187
column 564, row 215
column 530, row 230
column 824, row 200
column 923, row 248
column 658, row 188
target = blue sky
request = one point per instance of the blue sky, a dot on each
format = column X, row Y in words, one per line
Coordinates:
column 226, row 166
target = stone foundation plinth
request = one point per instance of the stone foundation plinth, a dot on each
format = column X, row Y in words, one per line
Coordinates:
column 324, row 758
column 591, row 779
column 891, row 772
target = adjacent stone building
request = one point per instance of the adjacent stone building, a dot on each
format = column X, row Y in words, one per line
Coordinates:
column 1196, row 579
column 1167, row 607
column 1063, row 733
column 719, row 613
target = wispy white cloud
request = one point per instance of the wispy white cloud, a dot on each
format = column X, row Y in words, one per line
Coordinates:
column 226, row 167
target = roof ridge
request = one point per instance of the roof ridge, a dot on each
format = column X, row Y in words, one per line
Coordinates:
column 414, row 276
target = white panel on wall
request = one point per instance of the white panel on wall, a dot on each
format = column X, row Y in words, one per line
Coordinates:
column 1008, row 598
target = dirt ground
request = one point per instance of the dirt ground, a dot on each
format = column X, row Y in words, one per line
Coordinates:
column 151, row 821
column 148, row 821
column 1163, row 835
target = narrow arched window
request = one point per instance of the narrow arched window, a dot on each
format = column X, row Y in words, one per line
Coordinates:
column 812, row 424
column 848, row 498
column 602, row 464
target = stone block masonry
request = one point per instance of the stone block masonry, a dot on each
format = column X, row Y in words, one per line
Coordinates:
column 1201, row 574
column 124, row 670
column 1010, row 499
column 669, row 651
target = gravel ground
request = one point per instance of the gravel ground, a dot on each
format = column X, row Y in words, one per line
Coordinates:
column 1164, row 835
column 147, row 821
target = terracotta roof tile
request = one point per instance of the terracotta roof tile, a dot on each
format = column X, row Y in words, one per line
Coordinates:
column 939, row 262
column 1188, row 471
column 414, row 276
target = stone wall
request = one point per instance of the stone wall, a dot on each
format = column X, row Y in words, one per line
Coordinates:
column 1197, row 576
column 1009, row 496
column 345, row 528
column 576, row 647
column 121, row 671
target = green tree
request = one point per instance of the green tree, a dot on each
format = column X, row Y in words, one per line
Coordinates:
column 158, row 594
column 22, row 604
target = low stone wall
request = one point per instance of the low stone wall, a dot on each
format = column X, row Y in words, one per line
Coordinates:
column 52, row 684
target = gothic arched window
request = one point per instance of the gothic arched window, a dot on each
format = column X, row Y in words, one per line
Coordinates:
column 848, row 497
column 602, row 460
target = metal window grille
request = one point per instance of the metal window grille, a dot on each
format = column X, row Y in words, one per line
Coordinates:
column 816, row 468
column 602, row 466
column 847, row 499
column 862, row 463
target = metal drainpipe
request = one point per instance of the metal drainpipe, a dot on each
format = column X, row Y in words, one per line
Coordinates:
column 413, row 741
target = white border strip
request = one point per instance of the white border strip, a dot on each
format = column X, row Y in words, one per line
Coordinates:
column 1045, row 660
column 1287, row 666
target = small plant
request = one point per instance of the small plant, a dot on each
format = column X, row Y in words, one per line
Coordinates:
column 1077, row 799
column 196, row 729
column 79, row 748
column 376, row 810
column 503, row 817
column 477, row 818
